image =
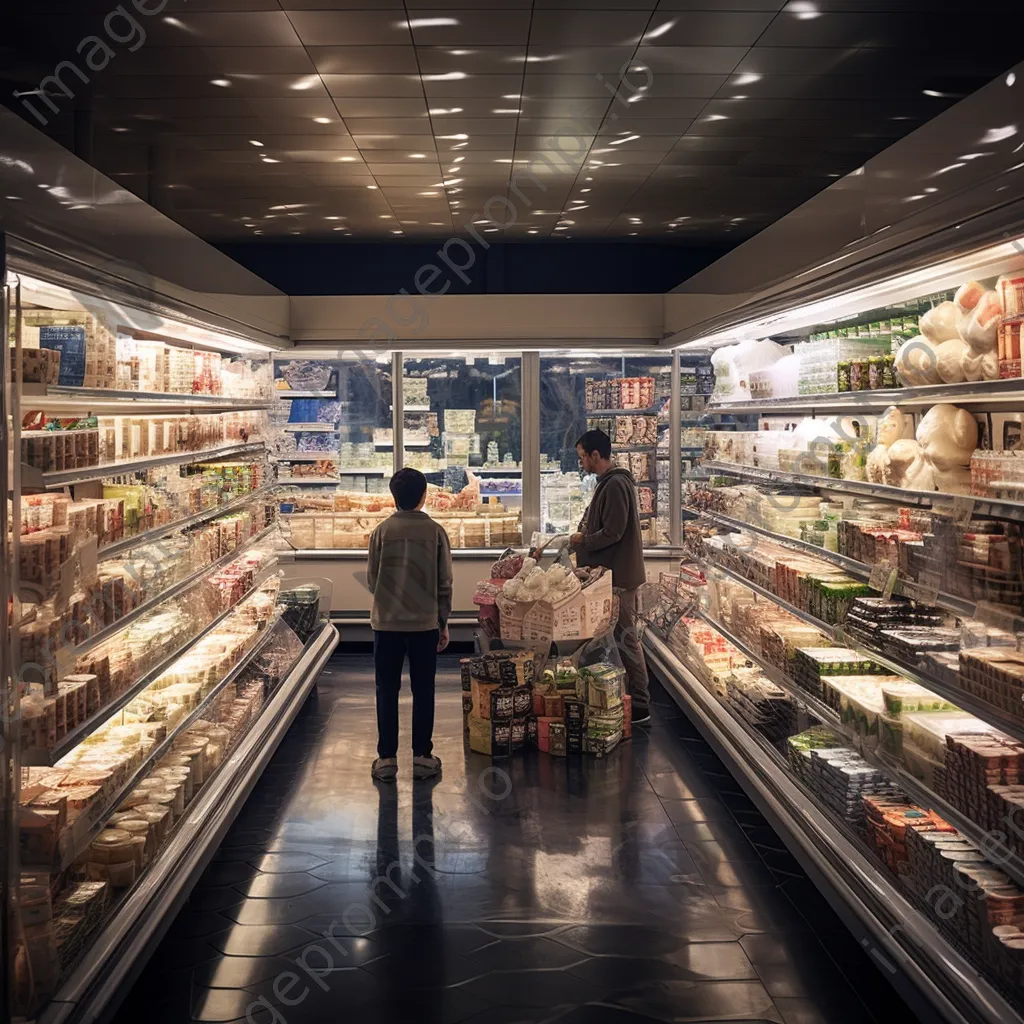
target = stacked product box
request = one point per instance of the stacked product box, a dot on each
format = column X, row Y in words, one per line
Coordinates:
column 564, row 710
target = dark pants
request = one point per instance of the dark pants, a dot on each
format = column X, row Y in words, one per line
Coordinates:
column 389, row 651
column 631, row 650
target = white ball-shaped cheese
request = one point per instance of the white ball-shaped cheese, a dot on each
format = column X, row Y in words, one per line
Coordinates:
column 950, row 361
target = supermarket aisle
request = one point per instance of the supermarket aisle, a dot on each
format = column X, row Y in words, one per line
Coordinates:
column 587, row 892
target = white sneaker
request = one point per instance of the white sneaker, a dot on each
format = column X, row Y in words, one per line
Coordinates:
column 426, row 767
column 385, row 769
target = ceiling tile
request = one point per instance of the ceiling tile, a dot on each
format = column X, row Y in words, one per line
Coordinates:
column 371, row 86
column 492, row 27
column 351, row 28
column 572, row 29
column 364, row 60
column 692, row 60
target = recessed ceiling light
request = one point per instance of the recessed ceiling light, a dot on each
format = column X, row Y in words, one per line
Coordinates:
column 396, row 231
column 1011, row 78
column 437, row 224
column 255, row 142
column 748, row 78
column 384, row 216
column 537, row 59
column 948, row 167
column 304, row 83
column 532, row 231
column 448, row 76
column 269, row 160
column 512, row 96
column 638, row 95
column 337, row 229
column 371, row 187
column 913, row 199
column 175, row 22
column 222, row 82
column 628, row 138
column 119, row 130
column 460, row 135
column 346, row 159
column 934, row 93
column 439, row 111
column 427, row 22
column 417, row 156
column 322, row 120
column 635, row 220
column 332, row 218
column 657, row 33
column 588, row 179
column 430, row 194
column 462, row 53
column 994, row 135
column 506, row 110
column 930, row 189
column 458, row 160
column 558, row 228
column 715, row 117
column 489, row 230
column 804, row 10
column 586, row 190
column 634, row 233
column 13, row 199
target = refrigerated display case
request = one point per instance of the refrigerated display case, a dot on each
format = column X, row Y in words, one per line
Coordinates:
column 149, row 665
column 846, row 630
column 626, row 397
column 331, row 414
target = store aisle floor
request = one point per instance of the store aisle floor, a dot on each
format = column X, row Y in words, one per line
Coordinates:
column 643, row 887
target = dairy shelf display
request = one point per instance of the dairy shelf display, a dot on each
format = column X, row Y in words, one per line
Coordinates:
column 851, row 605
column 147, row 642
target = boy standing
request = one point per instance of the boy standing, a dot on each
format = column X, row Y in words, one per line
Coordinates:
column 410, row 577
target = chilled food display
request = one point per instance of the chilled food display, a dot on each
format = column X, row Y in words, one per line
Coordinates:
column 345, row 519
column 60, row 444
column 856, row 735
column 56, row 529
column 94, row 822
column 76, row 349
column 977, row 560
column 620, row 393
column 968, row 334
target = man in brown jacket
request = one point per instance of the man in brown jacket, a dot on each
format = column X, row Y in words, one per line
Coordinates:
column 610, row 536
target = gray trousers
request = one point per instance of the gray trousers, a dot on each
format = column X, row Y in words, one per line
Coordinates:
column 631, row 651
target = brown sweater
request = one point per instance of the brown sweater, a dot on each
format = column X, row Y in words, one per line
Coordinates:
column 611, row 536
column 410, row 574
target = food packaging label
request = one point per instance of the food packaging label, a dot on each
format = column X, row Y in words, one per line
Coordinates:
column 69, row 341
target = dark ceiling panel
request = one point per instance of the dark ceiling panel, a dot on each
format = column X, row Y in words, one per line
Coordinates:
column 276, row 118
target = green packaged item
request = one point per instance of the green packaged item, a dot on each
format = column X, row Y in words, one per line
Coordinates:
column 889, row 378
column 843, row 375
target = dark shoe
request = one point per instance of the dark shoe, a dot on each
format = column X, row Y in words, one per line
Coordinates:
column 385, row 769
column 640, row 715
column 426, row 768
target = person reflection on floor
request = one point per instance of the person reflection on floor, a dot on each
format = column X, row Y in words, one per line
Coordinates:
column 410, row 912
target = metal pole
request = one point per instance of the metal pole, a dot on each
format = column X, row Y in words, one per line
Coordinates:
column 8, row 696
column 397, row 413
column 530, row 377
column 675, row 468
